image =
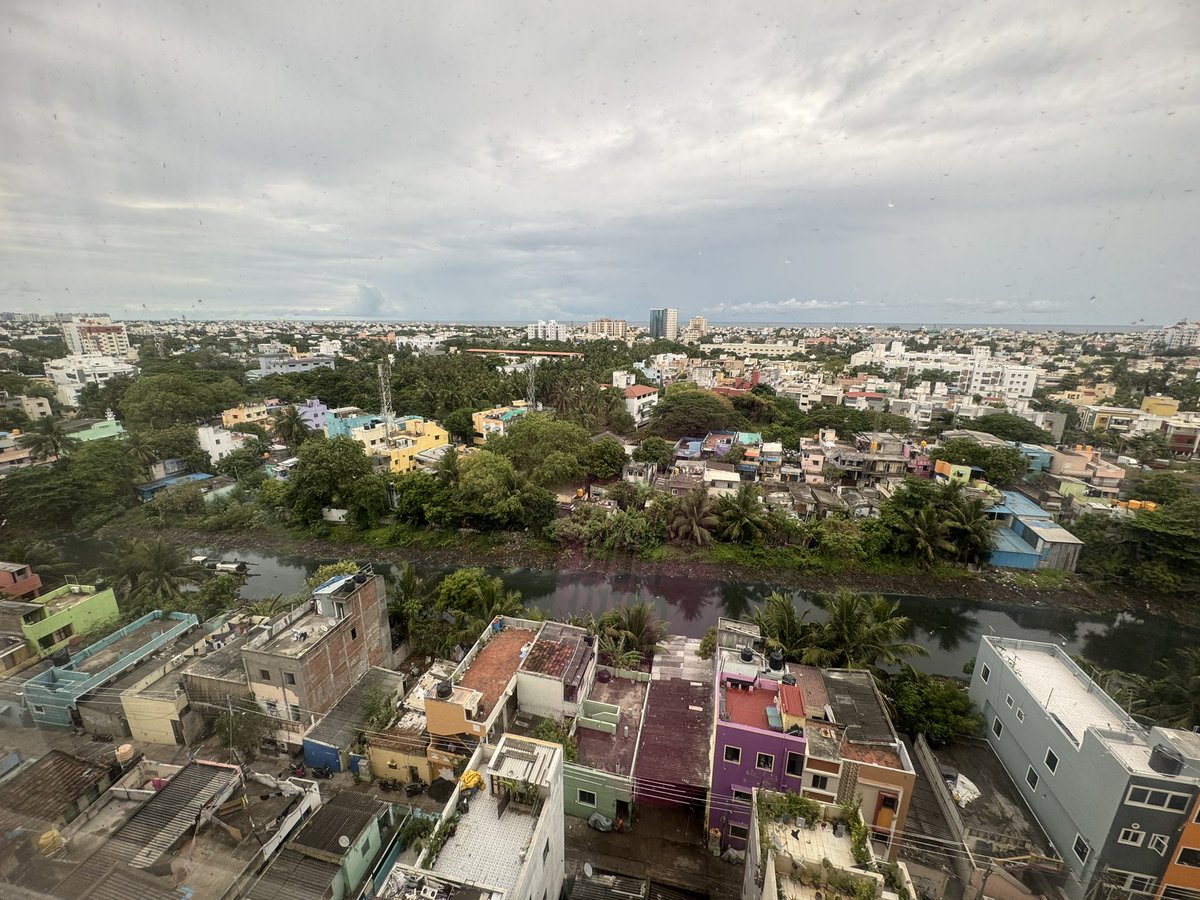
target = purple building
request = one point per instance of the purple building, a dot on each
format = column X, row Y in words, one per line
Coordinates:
column 758, row 741
column 313, row 412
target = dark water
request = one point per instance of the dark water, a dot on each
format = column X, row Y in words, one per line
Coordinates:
column 948, row 629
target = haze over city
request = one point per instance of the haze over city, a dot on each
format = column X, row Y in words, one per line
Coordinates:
column 997, row 162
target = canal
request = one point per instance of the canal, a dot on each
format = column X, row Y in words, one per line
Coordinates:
column 948, row 629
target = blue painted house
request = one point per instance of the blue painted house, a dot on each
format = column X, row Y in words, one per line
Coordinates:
column 52, row 697
column 1029, row 538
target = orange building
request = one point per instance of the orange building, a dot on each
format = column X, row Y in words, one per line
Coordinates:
column 1182, row 878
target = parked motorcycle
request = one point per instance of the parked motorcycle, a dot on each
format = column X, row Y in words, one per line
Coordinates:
column 415, row 787
column 388, row 784
column 322, row 772
column 102, row 738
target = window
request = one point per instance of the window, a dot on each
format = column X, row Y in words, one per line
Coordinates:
column 1189, row 856
column 1051, row 761
column 264, row 674
column 1008, row 701
column 1140, row 796
column 733, row 754
column 587, row 798
column 795, row 764
column 741, row 796
column 997, row 727
column 1131, row 837
column 1031, row 778
column 1020, row 714
column 765, row 761
column 289, row 678
column 546, row 851
column 38, row 709
column 1131, row 881
column 737, row 832
column 1158, row 844
column 1081, row 848
column 820, row 782
column 354, row 634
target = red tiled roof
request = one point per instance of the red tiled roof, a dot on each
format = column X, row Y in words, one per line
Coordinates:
column 492, row 670
column 791, row 700
column 639, row 390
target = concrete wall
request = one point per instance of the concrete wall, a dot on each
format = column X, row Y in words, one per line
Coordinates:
column 540, row 695
column 97, row 611
column 743, row 775
column 544, row 873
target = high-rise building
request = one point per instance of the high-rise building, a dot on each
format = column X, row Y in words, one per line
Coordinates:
column 664, row 324
column 613, row 329
column 698, row 324
column 98, row 336
column 71, row 373
column 547, row 331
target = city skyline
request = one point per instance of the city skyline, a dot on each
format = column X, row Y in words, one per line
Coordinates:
column 915, row 166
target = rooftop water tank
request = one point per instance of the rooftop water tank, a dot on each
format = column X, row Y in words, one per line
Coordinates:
column 746, row 655
column 444, row 690
column 1166, row 759
column 775, row 660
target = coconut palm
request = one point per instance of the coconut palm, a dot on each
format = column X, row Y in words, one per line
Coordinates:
column 860, row 632
column 48, row 437
column 616, row 652
column 268, row 606
column 743, row 520
column 1173, row 701
column 927, row 531
column 41, row 556
column 970, row 529
column 407, row 594
column 637, row 625
column 151, row 572
column 783, row 627
column 693, row 520
column 139, row 448
column 288, row 426
column 489, row 600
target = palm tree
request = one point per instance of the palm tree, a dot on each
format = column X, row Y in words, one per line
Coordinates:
column 618, row 654
column 1173, row 701
column 784, row 628
column 48, row 437
column 742, row 518
column 860, row 632
column 268, row 606
column 970, row 529
column 407, row 593
column 41, row 556
column 138, row 446
column 637, row 625
column 288, row 426
column 152, row 571
column 927, row 531
column 489, row 600
column 693, row 520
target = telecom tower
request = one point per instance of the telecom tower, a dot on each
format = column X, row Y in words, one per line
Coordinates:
column 385, row 397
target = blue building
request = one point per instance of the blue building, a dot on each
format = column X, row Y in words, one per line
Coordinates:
column 52, row 697
column 1029, row 538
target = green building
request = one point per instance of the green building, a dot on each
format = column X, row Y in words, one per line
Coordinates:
column 100, row 429
column 51, row 620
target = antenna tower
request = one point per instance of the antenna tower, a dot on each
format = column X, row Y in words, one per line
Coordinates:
column 385, row 397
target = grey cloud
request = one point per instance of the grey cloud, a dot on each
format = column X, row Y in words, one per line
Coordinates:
column 533, row 160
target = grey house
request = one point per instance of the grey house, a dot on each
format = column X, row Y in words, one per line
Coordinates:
column 1112, row 796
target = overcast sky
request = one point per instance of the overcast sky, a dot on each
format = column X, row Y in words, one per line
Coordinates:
column 1007, row 162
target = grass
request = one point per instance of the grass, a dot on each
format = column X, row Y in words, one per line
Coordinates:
column 1043, row 579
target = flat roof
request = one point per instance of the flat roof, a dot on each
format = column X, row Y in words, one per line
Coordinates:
column 494, row 666
column 748, row 707
column 613, row 752
column 1061, row 688
column 439, row 670
column 343, row 723
column 1005, row 540
column 45, row 789
column 1053, row 532
column 136, row 639
column 1020, row 505
column 312, row 624
column 673, row 745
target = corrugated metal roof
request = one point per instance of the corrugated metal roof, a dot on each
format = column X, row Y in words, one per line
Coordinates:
column 45, row 789
column 294, row 876
column 341, row 725
column 674, row 742
column 346, row 815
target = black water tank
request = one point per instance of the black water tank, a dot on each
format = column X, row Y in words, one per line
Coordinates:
column 746, row 655
column 360, row 578
column 1166, row 760
column 775, row 660
column 589, row 639
column 444, row 690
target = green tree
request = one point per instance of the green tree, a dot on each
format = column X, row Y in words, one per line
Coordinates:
column 325, row 473
column 636, row 625
column 1002, row 466
column 783, row 627
column 367, row 500
column 420, row 498
column 936, row 708
column 240, row 463
column 473, row 600
column 557, row 733
column 331, row 570
column 927, row 535
column 685, row 410
column 1160, row 487
column 141, row 449
column 528, row 441
column 151, row 573
column 376, row 708
column 408, row 599
column 447, row 467
column 48, row 437
column 242, row 731
column 488, row 489
column 157, row 401
column 556, row 469
column 605, row 459
column 693, row 520
column 1009, row 427
column 460, row 425
column 1173, row 700
column 743, row 518
column 657, row 451
column 970, row 529
column 215, row 596
column 860, row 632
column 289, row 426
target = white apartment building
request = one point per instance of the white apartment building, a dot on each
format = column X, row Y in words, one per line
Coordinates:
column 613, row 329
column 996, row 379
column 98, row 336
column 328, row 347
column 218, row 442
column 547, row 331
column 71, row 373
column 511, row 841
column 286, row 364
column 1178, row 336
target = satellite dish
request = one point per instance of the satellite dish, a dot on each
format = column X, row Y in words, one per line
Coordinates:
column 587, row 869
column 343, row 842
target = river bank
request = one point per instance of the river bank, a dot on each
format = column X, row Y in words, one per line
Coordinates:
column 519, row 552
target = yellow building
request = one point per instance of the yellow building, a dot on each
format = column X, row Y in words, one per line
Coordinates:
column 496, row 421
column 401, row 440
column 399, row 753
column 249, row 414
column 1158, row 405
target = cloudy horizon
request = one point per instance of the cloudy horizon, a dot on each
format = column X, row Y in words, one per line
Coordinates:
column 1005, row 163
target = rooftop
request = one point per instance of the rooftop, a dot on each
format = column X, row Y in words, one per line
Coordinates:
column 560, row 651
column 1019, row 505
column 748, row 708
column 494, row 666
column 300, row 637
column 45, row 789
column 342, row 725
column 613, row 752
column 1061, row 688
column 673, row 745
column 439, row 670
column 294, row 875
column 345, row 815
column 136, row 639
